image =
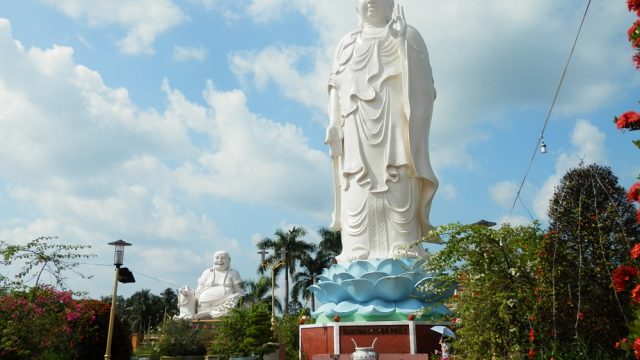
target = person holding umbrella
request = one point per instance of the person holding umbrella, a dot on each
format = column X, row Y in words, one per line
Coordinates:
column 445, row 348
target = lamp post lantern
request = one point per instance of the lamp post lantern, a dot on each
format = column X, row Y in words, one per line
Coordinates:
column 118, row 258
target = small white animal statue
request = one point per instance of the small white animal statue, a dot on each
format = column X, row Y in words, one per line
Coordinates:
column 186, row 303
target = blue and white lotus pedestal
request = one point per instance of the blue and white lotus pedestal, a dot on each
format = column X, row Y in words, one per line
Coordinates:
column 369, row 299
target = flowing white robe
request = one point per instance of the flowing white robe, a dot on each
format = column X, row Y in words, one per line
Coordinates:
column 385, row 100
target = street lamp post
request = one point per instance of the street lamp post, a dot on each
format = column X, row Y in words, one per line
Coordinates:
column 273, row 267
column 118, row 258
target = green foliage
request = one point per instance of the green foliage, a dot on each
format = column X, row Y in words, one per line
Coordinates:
column 244, row 332
column 592, row 227
column 289, row 336
column 180, row 338
column 495, row 270
column 41, row 256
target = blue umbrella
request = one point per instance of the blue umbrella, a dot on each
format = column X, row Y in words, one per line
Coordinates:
column 444, row 331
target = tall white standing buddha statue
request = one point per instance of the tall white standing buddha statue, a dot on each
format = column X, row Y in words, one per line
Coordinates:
column 381, row 96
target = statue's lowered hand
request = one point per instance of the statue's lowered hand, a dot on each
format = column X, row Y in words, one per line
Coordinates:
column 334, row 140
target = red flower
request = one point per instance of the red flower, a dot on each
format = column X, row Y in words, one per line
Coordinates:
column 634, row 5
column 635, row 294
column 580, row 315
column 636, row 60
column 532, row 335
column 635, row 251
column 621, row 276
column 531, row 353
column 634, row 31
column 636, row 347
column 629, row 120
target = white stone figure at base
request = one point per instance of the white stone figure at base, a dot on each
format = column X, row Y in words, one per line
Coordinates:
column 186, row 303
column 217, row 293
column 381, row 96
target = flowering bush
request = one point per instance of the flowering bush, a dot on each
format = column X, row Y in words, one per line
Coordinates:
column 626, row 277
column 44, row 323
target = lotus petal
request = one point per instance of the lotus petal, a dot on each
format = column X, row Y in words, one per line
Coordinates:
column 359, row 267
column 392, row 267
column 323, row 278
column 373, row 276
column 338, row 278
column 335, row 269
column 377, row 308
column 335, row 292
column 346, row 308
column 409, row 305
column 325, row 309
column 394, row 288
column 360, row 290
column 416, row 276
column 320, row 294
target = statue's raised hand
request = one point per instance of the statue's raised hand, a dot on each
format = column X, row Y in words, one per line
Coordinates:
column 398, row 24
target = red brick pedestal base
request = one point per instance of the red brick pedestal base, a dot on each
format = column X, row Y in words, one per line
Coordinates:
column 406, row 339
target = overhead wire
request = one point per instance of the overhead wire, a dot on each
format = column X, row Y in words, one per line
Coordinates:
column 553, row 103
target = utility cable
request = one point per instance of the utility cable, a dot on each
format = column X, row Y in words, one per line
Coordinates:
column 553, row 103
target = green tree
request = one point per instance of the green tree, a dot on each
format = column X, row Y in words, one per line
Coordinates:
column 259, row 292
column 40, row 256
column 169, row 300
column 143, row 311
column 311, row 266
column 287, row 248
column 496, row 301
column 592, row 227
column 243, row 332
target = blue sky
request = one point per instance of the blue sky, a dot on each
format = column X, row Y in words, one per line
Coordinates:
column 185, row 127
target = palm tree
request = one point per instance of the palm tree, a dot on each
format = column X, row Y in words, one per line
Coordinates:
column 259, row 292
column 287, row 249
column 331, row 243
column 330, row 246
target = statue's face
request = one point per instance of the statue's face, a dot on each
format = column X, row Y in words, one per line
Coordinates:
column 221, row 260
column 375, row 12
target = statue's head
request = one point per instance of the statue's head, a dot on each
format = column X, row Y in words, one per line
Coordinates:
column 375, row 12
column 221, row 260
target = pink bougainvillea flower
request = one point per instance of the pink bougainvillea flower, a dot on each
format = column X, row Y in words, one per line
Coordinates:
column 621, row 276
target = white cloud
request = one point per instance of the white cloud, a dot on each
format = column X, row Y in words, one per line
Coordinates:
column 448, row 191
column 503, row 193
column 81, row 160
column 143, row 19
column 186, row 53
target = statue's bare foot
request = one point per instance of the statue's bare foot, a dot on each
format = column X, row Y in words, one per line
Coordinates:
column 356, row 253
